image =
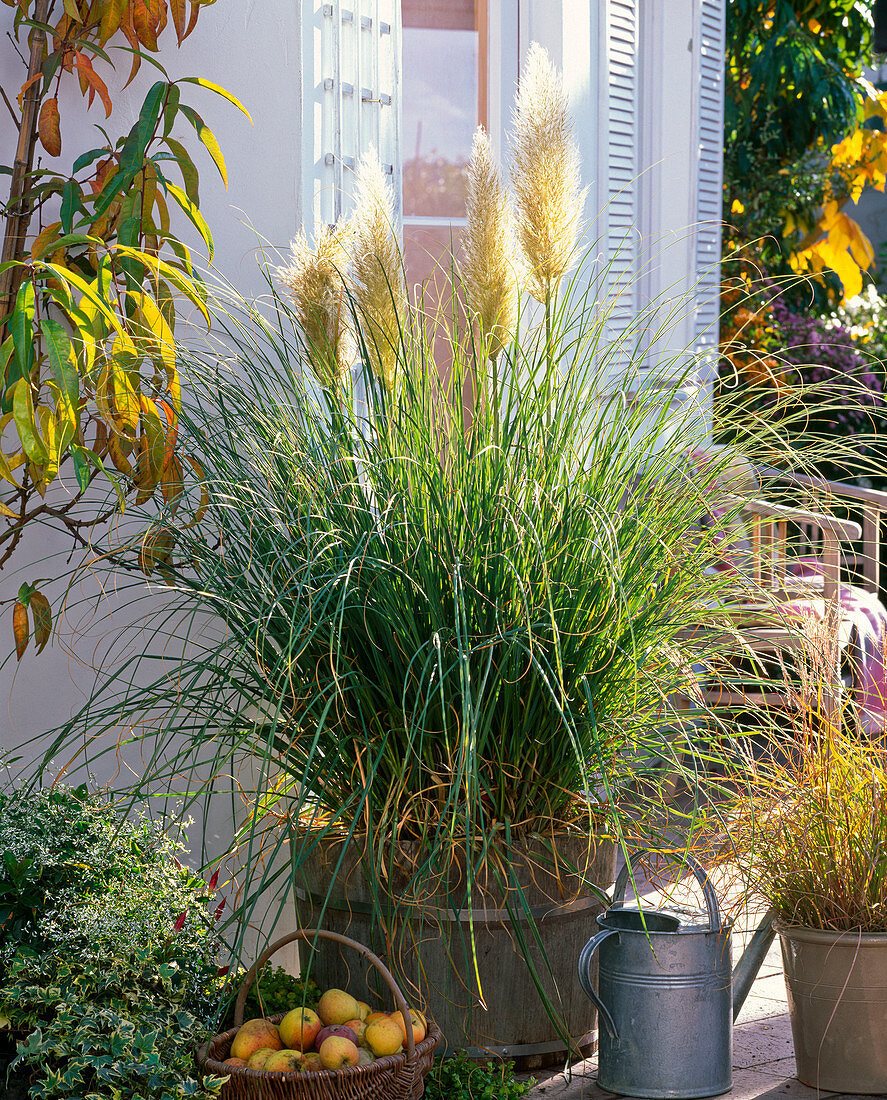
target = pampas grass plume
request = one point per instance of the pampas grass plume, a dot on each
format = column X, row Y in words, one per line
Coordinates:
column 488, row 249
column 314, row 279
column 376, row 271
column 545, row 175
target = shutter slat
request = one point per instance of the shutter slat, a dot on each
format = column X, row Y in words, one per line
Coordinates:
column 710, row 122
column 621, row 36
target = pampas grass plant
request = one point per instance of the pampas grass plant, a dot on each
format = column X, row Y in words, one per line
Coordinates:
column 441, row 652
column 375, row 273
column 314, row 281
column 545, row 176
column 488, row 263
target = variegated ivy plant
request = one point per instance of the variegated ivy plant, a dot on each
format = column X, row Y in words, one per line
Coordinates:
column 90, row 273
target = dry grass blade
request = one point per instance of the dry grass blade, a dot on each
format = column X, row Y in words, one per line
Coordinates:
column 545, row 175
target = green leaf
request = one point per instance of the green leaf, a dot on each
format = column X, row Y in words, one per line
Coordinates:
column 81, row 466
column 85, row 159
column 194, row 216
column 71, row 203
column 208, row 138
column 26, row 425
column 21, row 327
column 90, row 292
column 150, row 114
column 187, row 168
column 224, row 93
column 171, row 109
column 63, row 364
column 26, row 592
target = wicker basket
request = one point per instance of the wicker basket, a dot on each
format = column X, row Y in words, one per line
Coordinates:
column 395, row 1077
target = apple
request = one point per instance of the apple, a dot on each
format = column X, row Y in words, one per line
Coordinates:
column 254, row 1035
column 336, row 1006
column 334, row 1029
column 365, row 1057
column 373, row 1016
column 284, row 1061
column 234, row 1062
column 365, row 1009
column 311, row 1062
column 337, row 1052
column 259, row 1057
column 420, row 1027
column 358, row 1027
column 384, row 1037
column 299, row 1028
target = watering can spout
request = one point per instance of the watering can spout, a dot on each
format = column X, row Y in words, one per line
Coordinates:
column 746, row 970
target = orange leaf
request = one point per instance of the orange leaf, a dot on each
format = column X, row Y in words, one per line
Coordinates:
column 115, row 450
column 42, row 613
column 172, row 484
column 27, row 84
column 177, row 8
column 204, row 493
column 130, row 34
column 44, row 238
column 49, row 127
column 145, row 23
column 156, row 550
column 20, row 628
column 112, row 17
column 88, row 75
column 192, row 22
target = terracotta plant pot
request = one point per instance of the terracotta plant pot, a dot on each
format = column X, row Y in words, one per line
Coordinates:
column 837, row 996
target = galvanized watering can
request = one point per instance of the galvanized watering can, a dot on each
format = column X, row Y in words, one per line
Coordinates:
column 666, row 995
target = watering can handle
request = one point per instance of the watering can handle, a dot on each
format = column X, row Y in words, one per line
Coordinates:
column 585, row 978
column 711, row 899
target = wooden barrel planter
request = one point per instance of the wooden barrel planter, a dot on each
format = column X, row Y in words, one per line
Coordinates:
column 427, row 943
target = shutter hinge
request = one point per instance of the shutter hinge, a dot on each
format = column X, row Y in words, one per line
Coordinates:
column 366, row 95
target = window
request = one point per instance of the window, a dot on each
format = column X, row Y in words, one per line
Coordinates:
column 444, row 98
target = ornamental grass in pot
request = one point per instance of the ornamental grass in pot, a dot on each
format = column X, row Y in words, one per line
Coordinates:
column 809, row 834
column 453, row 600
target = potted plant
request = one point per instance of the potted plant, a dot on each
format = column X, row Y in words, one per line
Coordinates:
column 808, row 830
column 458, row 603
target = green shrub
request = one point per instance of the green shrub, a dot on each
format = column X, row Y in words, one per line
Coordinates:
column 458, row 1078
column 111, row 968
column 275, row 991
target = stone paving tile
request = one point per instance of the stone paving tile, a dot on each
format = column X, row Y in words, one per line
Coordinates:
column 762, row 1041
column 753, row 1084
column 760, row 1008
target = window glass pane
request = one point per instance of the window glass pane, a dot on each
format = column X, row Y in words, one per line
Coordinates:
column 440, row 104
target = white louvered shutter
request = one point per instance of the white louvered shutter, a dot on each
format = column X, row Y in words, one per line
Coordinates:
column 351, row 71
column 620, row 164
column 709, row 43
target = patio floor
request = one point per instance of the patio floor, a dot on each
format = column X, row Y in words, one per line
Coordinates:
column 763, row 1058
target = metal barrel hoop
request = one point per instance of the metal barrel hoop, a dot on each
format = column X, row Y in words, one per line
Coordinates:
column 708, row 892
column 312, row 934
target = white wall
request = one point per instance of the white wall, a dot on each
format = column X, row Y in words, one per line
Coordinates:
column 252, row 49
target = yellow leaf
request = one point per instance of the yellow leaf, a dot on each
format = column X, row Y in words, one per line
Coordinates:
column 737, row 207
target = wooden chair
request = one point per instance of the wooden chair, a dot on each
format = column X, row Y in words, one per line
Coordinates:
column 800, row 558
